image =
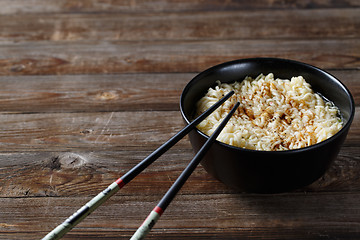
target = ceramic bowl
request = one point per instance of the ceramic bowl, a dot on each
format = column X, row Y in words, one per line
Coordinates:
column 268, row 171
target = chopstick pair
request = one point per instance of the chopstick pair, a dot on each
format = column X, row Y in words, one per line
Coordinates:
column 99, row 199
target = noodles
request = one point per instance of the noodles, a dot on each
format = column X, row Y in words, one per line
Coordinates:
column 274, row 114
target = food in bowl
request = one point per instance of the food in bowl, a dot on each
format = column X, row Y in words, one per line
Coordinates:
column 274, row 115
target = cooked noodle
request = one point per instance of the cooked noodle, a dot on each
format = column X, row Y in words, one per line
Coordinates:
column 274, row 114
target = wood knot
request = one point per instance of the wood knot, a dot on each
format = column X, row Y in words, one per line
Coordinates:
column 54, row 163
column 86, row 131
column 71, row 160
column 66, row 160
column 17, row 68
column 106, row 96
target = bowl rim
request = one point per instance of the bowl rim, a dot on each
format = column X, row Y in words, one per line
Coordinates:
column 282, row 152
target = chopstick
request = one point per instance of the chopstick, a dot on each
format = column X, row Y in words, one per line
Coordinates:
column 99, row 199
column 156, row 213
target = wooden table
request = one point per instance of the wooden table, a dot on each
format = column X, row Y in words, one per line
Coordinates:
column 89, row 88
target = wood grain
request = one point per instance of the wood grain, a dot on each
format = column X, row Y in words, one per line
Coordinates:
column 35, row 58
column 229, row 215
column 144, row 6
column 75, row 173
column 92, row 93
column 112, row 130
column 214, row 25
column 109, row 93
column 89, row 88
column 98, row 131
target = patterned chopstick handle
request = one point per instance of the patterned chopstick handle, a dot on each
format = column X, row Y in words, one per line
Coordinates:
column 147, row 225
column 84, row 211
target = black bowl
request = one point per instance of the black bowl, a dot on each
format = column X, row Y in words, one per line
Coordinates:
column 268, row 171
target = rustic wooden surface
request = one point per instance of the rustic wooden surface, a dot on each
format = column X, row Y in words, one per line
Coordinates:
column 89, row 88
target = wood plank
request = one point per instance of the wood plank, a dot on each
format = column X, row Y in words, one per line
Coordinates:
column 194, row 216
column 92, row 93
column 99, row 131
column 115, row 92
column 86, row 173
column 144, row 6
column 217, row 25
column 33, row 58
column 112, row 130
